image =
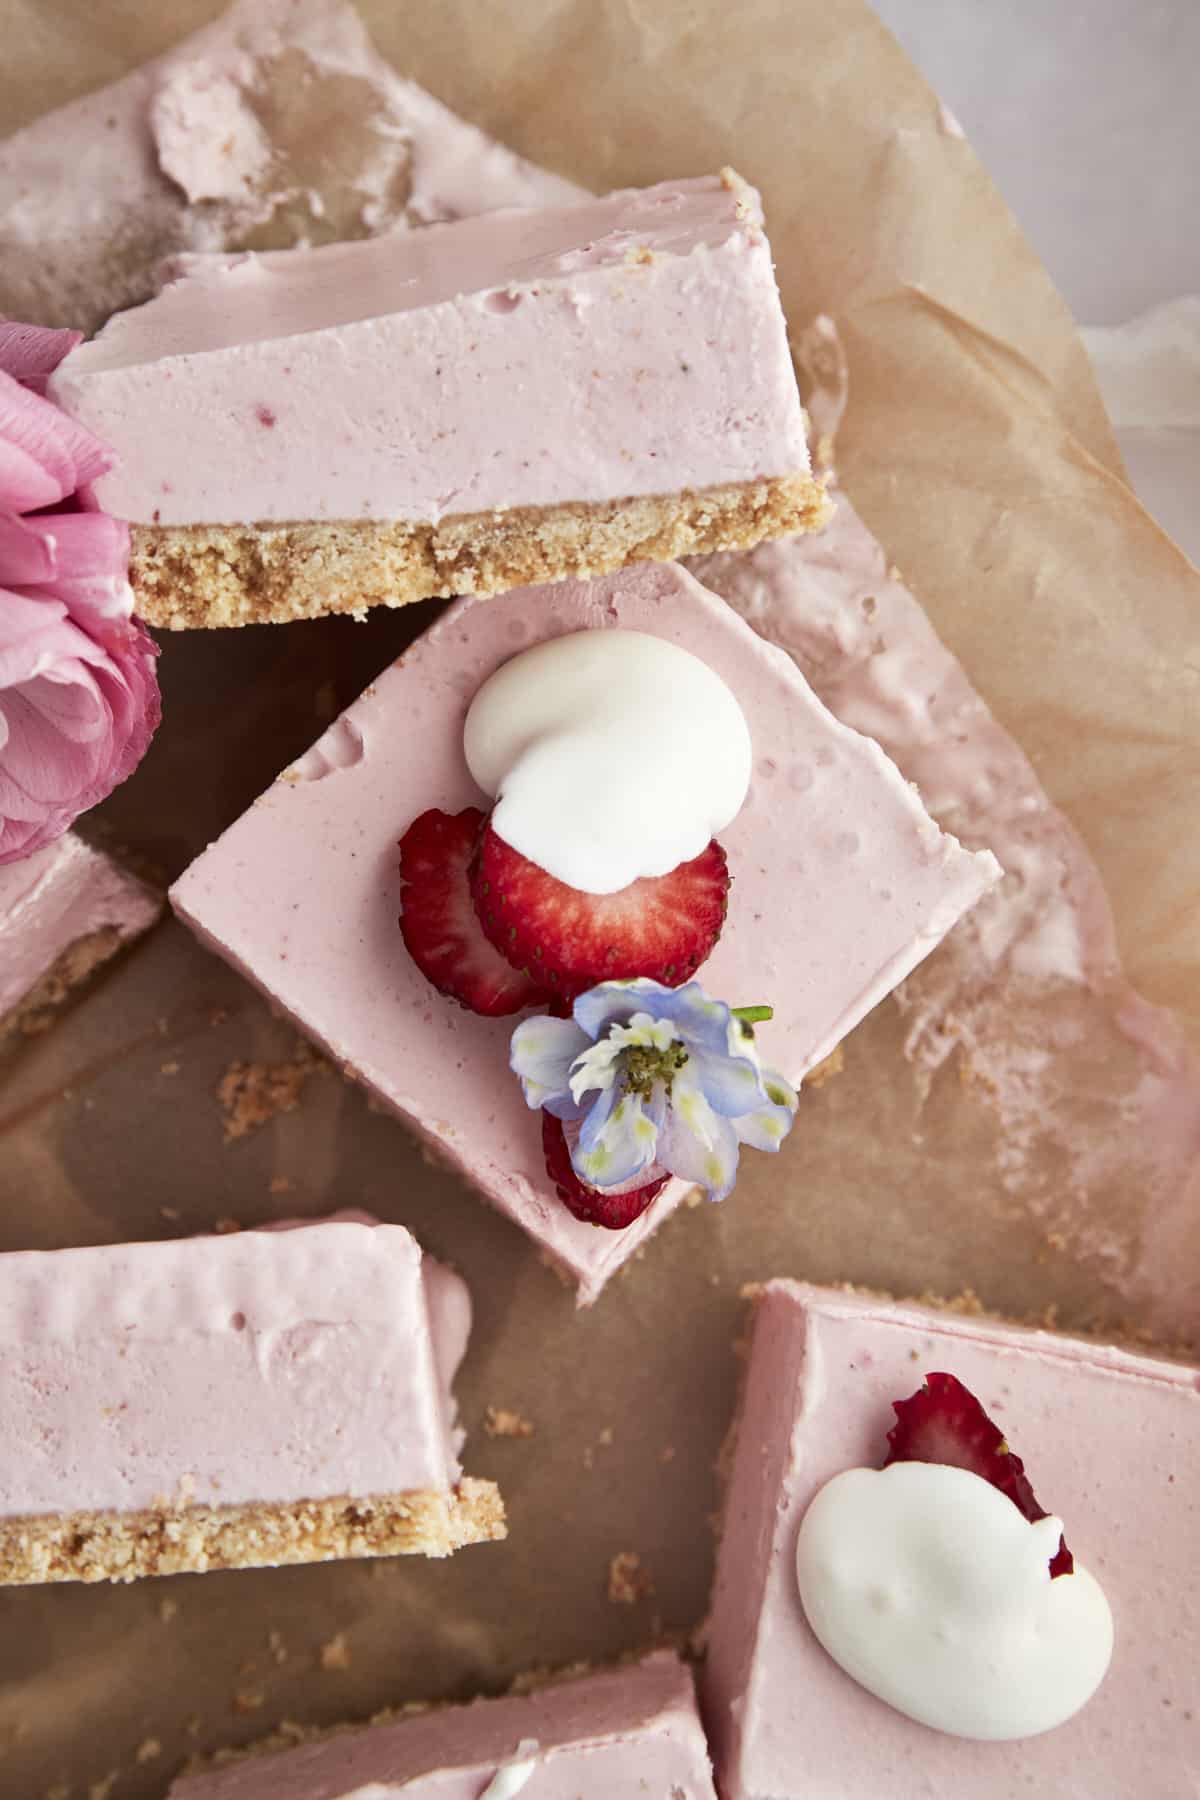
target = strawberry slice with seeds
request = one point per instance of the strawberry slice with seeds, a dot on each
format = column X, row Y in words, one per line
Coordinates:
column 943, row 1422
column 438, row 923
column 615, row 1209
column 568, row 941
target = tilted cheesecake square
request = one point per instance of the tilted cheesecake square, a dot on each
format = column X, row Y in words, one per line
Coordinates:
column 629, row 1730
column 232, row 1402
column 64, row 911
column 841, row 882
column 504, row 399
column 996, row 1648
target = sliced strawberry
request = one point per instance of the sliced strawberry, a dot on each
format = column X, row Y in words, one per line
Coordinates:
column 438, row 921
column 613, row 1210
column 943, row 1422
column 569, row 941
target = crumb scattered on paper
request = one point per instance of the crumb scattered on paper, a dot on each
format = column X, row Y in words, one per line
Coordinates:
column 225, row 1227
column 281, row 1184
column 502, row 1422
column 251, row 1094
column 167, row 1608
column 277, row 1646
column 628, row 1581
column 336, row 1653
column 100, row 1790
column 248, row 1700
column 147, row 1750
column 168, row 1068
column 170, row 1213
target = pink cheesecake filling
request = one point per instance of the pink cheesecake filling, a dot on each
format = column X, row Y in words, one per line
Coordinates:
column 278, row 119
column 262, row 1366
column 632, row 1730
column 1111, row 1442
column 842, row 883
column 629, row 346
column 57, row 898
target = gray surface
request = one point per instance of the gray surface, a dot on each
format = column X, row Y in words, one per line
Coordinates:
column 1085, row 113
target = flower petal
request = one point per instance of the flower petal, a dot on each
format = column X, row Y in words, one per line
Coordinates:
column 44, row 455
column 616, row 1141
column 766, row 1127
column 540, row 1055
column 615, row 1002
column 701, row 1021
column 696, row 1143
column 29, row 353
column 731, row 1084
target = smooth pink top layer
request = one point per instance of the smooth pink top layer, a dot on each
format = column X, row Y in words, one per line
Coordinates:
column 262, row 1366
column 626, row 1731
column 1111, row 1443
column 626, row 346
column 841, row 882
column 49, row 900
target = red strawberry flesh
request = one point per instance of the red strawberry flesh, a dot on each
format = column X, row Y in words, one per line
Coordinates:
column 438, row 922
column 943, row 1422
column 614, row 1210
column 568, row 941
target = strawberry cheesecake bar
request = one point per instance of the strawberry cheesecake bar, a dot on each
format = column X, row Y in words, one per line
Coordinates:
column 64, row 910
column 503, row 399
column 232, row 1402
column 894, row 1611
column 629, row 1730
column 619, row 725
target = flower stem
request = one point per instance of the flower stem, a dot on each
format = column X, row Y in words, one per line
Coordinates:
column 753, row 1015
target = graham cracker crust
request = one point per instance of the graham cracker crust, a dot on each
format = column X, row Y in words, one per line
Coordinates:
column 208, row 575
column 77, row 963
column 190, row 1539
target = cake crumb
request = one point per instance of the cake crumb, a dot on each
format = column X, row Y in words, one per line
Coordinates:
column 226, row 1227
column 833, row 1065
column 168, row 1068
column 628, row 1580
column 193, row 1725
column 248, row 1700
column 100, row 1790
column 504, row 1422
column 277, row 1647
column 60, row 1791
column 606, row 1436
column 167, row 1608
column 667, row 1454
column 336, row 1653
column 147, row 1750
column 251, row 1094
column 171, row 1213
column 280, row 1184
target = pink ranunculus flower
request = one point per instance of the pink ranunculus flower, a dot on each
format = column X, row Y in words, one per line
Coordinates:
column 79, row 700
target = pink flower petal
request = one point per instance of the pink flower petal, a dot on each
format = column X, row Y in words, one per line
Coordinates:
column 79, row 701
column 27, row 553
column 29, row 353
column 44, row 455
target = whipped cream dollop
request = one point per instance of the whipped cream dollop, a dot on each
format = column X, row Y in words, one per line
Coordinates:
column 929, row 1587
column 611, row 754
column 514, row 1776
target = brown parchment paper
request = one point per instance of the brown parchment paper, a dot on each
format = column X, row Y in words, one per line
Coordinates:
column 976, row 448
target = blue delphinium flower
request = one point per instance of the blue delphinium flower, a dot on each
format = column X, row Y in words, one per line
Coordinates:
column 658, row 1080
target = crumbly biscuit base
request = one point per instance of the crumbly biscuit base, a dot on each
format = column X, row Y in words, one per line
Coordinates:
column 206, row 575
column 122, row 1546
column 76, row 965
